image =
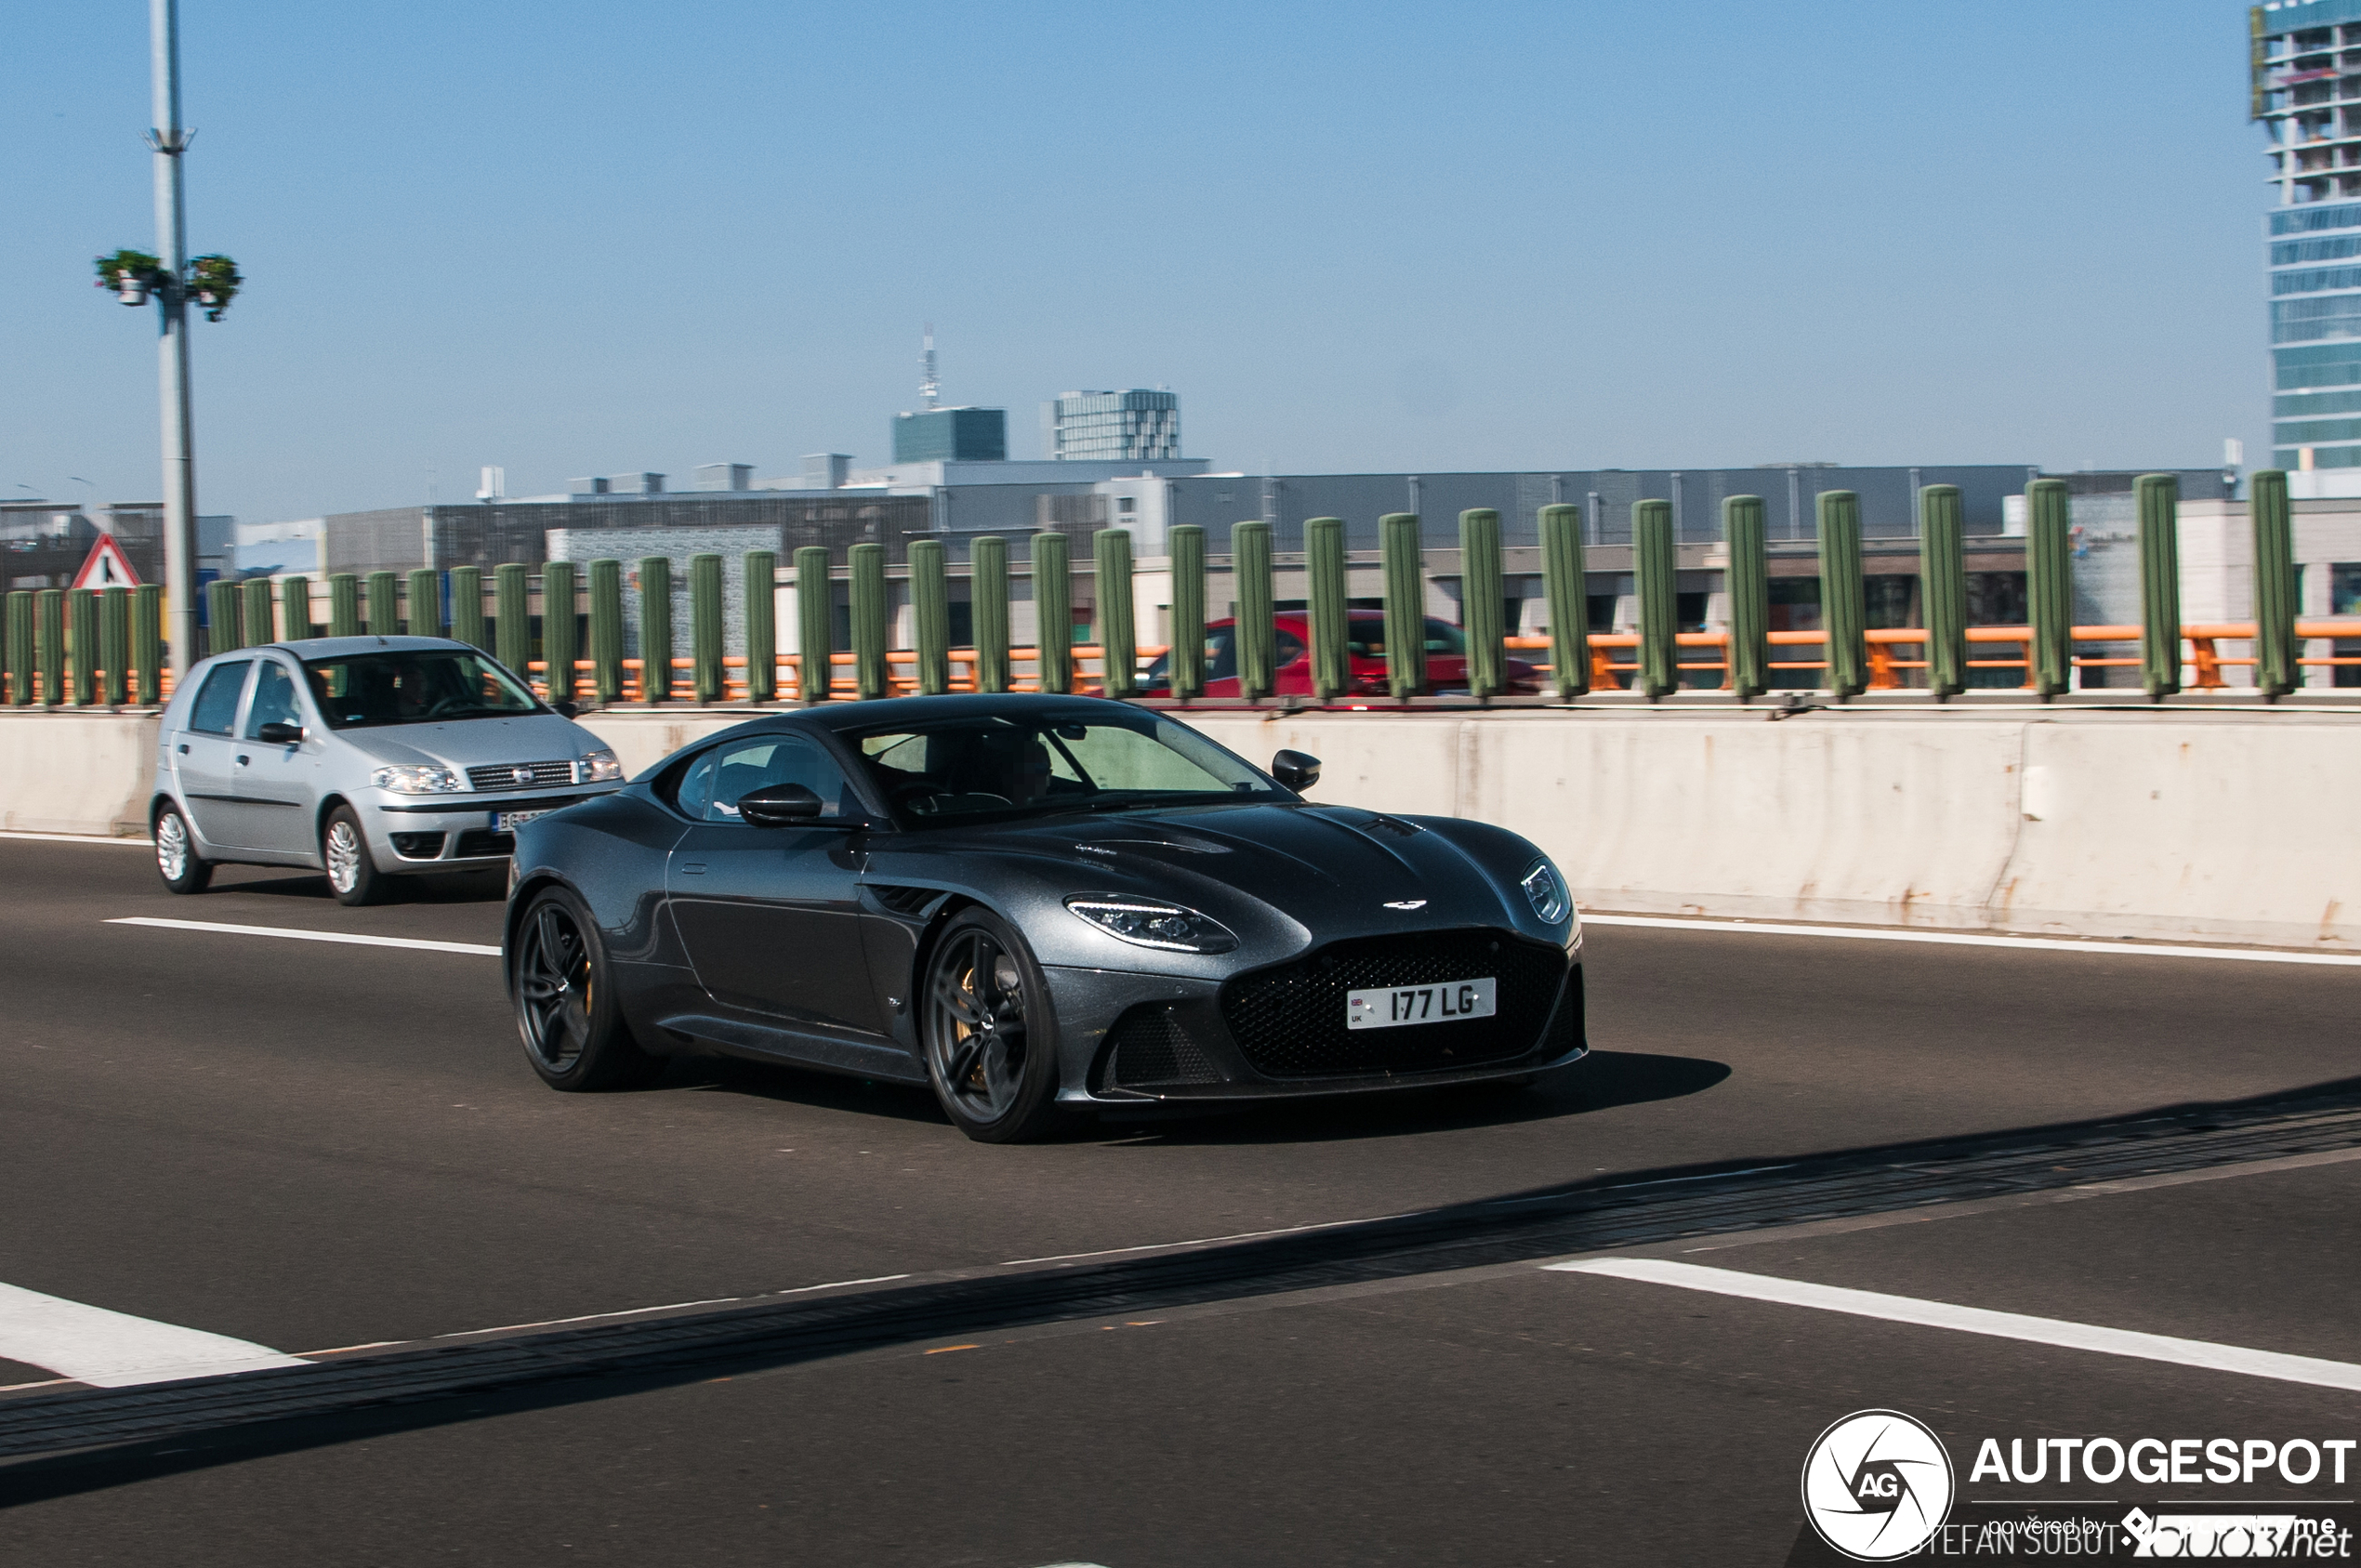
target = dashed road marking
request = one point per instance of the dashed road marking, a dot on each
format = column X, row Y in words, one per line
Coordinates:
column 1966, row 939
column 115, row 1350
column 1976, row 1320
column 76, row 838
column 354, row 938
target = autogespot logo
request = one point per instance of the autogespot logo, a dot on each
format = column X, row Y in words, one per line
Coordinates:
column 1877, row 1486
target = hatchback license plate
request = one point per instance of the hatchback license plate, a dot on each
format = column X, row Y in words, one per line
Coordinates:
column 1391, row 1008
column 508, row 821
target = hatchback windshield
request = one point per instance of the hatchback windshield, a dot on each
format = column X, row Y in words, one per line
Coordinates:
column 1000, row 767
column 414, row 686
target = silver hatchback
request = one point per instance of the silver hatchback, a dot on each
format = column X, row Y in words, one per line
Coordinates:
column 368, row 757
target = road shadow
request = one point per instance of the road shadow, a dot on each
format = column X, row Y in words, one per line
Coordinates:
column 457, row 886
column 799, row 1085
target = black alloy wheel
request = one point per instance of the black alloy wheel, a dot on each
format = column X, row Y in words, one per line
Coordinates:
column 177, row 860
column 573, row 1033
column 991, row 1044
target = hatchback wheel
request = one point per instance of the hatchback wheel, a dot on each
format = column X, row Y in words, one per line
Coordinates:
column 177, row 860
column 344, row 851
column 574, row 1033
column 991, row 1044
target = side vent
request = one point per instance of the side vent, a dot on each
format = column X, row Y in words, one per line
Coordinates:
column 905, row 900
column 1394, row 825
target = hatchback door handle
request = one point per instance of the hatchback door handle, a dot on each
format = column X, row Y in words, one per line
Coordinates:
column 184, row 748
column 243, row 760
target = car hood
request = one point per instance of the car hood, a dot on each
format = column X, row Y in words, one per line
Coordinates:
column 468, row 743
column 1275, row 873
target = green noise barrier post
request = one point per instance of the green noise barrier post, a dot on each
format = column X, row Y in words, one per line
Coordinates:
column 1942, row 578
column 561, row 634
column 2276, row 672
column 2159, row 499
column 1186, row 661
column 1251, row 631
column 1745, row 535
column 225, row 614
column 385, row 613
column 512, row 616
column 1117, row 633
column 424, row 594
column 930, row 615
column 466, row 608
column 1405, row 605
column 114, row 643
column 763, row 625
column 1054, row 612
column 147, row 641
column 1654, row 569
column 1323, row 565
column 869, row 627
column 2049, row 584
column 988, row 591
column 606, row 629
column 1480, row 602
column 344, row 604
column 82, row 613
column 814, row 625
column 294, row 607
column 1843, row 608
column 49, row 642
column 705, row 626
column 261, row 618
column 1565, row 590
column 20, row 648
column 655, row 627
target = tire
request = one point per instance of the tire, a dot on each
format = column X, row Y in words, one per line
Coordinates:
column 344, row 853
column 177, row 859
column 567, row 1014
column 991, row 1041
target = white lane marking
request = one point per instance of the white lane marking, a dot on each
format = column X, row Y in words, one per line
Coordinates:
column 77, row 838
column 354, row 937
column 1203, row 1241
column 115, row 1350
column 1977, row 1320
column 1963, row 939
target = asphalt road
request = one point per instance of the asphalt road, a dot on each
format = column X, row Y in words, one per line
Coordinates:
column 315, row 1146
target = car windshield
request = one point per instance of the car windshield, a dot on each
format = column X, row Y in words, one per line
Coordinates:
column 414, row 686
column 962, row 768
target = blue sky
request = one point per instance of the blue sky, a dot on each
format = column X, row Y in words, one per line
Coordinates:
column 599, row 238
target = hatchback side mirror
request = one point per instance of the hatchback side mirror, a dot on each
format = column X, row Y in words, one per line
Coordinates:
column 565, row 707
column 778, row 806
column 277, row 733
column 1297, row 770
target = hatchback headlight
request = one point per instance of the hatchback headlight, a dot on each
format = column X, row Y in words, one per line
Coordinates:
column 1547, row 892
column 599, row 766
column 1147, row 923
column 417, row 778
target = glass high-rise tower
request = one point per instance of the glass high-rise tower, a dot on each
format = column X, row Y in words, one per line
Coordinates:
column 2306, row 72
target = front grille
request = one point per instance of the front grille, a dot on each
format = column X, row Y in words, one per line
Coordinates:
column 1289, row 1020
column 484, row 843
column 503, row 775
column 1150, row 1047
column 418, row 846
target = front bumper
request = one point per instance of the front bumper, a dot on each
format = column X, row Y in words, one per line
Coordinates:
column 412, row 834
column 1099, row 1012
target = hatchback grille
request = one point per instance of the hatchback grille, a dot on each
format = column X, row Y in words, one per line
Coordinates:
column 1289, row 1020
column 520, row 775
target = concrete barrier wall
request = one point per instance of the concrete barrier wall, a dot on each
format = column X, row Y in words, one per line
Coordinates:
column 2198, row 826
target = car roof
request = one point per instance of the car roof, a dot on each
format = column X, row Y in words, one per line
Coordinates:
column 344, row 647
column 920, row 710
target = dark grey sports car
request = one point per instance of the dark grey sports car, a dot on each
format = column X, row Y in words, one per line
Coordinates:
column 1034, row 904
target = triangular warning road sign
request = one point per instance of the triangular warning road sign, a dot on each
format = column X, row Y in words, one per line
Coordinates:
column 107, row 568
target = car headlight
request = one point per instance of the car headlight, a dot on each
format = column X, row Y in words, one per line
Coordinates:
column 1547, row 892
column 417, row 778
column 599, row 766
column 1147, row 923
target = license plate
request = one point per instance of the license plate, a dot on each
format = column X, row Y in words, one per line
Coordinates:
column 1418, row 1004
column 508, row 821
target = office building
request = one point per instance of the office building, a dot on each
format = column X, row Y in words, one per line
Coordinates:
column 2306, row 91
column 951, row 435
column 1133, row 426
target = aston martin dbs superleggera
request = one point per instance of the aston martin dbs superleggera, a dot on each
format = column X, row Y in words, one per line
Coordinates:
column 1035, row 905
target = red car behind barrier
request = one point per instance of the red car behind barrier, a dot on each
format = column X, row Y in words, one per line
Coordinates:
column 1446, row 658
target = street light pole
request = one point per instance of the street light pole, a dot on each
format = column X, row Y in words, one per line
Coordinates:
column 180, row 467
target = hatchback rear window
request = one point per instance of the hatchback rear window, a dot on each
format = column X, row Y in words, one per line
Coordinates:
column 216, row 709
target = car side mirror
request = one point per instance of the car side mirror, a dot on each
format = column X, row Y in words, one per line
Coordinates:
column 778, row 806
column 565, row 707
column 277, row 733
column 1297, row 770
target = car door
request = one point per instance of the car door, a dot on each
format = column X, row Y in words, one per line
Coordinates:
column 770, row 917
column 204, row 753
column 276, row 784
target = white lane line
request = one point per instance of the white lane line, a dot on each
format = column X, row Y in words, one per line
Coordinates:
column 76, row 838
column 115, row 1350
column 1977, row 1320
column 354, row 937
column 1964, row 938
